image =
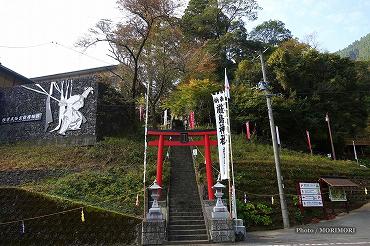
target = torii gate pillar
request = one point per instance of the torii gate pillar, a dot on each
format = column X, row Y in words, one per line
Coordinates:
column 206, row 142
column 160, row 160
column 207, row 150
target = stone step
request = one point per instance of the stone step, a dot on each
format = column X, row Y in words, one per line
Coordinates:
column 187, row 200
column 185, row 208
column 185, row 205
column 187, row 232
column 183, row 189
column 188, row 242
column 182, row 217
column 186, row 222
column 186, row 227
column 188, row 237
column 192, row 213
column 175, row 210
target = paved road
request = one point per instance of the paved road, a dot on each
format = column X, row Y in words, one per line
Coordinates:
column 358, row 219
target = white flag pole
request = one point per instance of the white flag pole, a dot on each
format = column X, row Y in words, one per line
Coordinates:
column 145, row 145
column 354, row 151
column 233, row 197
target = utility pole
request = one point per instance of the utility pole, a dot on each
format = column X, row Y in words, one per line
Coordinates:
column 284, row 210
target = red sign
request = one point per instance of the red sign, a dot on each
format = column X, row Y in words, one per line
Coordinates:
column 192, row 120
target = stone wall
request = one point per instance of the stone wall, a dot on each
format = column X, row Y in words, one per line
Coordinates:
column 25, row 105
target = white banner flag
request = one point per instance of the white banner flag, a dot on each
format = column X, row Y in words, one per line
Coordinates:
column 227, row 86
column 277, row 135
column 222, row 134
column 165, row 118
column 354, row 150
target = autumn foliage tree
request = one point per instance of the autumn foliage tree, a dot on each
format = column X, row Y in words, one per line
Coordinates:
column 127, row 40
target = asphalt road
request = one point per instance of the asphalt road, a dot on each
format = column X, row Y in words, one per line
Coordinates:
column 347, row 229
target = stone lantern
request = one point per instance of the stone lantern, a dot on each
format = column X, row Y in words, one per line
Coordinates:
column 220, row 210
column 155, row 211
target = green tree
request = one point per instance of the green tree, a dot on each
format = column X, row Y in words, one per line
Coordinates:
column 326, row 83
column 161, row 65
column 193, row 96
column 218, row 28
column 271, row 32
column 248, row 73
column 249, row 104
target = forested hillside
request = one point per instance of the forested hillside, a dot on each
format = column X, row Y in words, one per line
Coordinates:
column 358, row 50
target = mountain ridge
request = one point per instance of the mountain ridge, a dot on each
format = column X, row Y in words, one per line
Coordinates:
column 359, row 50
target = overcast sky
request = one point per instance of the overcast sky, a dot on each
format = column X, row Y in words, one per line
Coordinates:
column 28, row 28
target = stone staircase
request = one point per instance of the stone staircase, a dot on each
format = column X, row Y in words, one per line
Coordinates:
column 186, row 222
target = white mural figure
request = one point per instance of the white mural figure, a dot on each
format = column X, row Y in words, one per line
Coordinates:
column 70, row 118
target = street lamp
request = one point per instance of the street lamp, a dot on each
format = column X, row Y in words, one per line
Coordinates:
column 263, row 86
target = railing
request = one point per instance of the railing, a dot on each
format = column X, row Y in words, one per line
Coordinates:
column 200, row 193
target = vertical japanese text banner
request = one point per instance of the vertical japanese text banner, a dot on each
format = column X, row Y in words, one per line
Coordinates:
column 219, row 103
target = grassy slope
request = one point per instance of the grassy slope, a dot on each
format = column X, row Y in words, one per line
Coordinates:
column 255, row 174
column 101, row 227
column 109, row 174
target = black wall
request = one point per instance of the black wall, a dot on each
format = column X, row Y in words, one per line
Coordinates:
column 18, row 101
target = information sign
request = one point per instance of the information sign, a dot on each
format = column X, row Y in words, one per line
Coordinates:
column 310, row 195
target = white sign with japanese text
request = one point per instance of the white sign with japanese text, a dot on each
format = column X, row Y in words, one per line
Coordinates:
column 21, row 118
column 219, row 102
column 310, row 194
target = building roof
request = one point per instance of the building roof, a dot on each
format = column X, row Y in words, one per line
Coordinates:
column 77, row 73
column 339, row 182
column 18, row 76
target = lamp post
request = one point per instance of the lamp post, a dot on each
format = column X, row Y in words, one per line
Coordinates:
column 155, row 211
column 220, row 210
column 263, row 86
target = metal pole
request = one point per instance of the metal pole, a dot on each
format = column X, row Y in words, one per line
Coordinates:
column 284, row 210
column 331, row 137
column 145, row 147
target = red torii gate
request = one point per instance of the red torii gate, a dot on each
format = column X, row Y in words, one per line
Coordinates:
column 206, row 142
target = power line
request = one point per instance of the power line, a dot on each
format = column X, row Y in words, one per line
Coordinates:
column 80, row 52
column 25, row 47
column 42, row 216
column 57, row 44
